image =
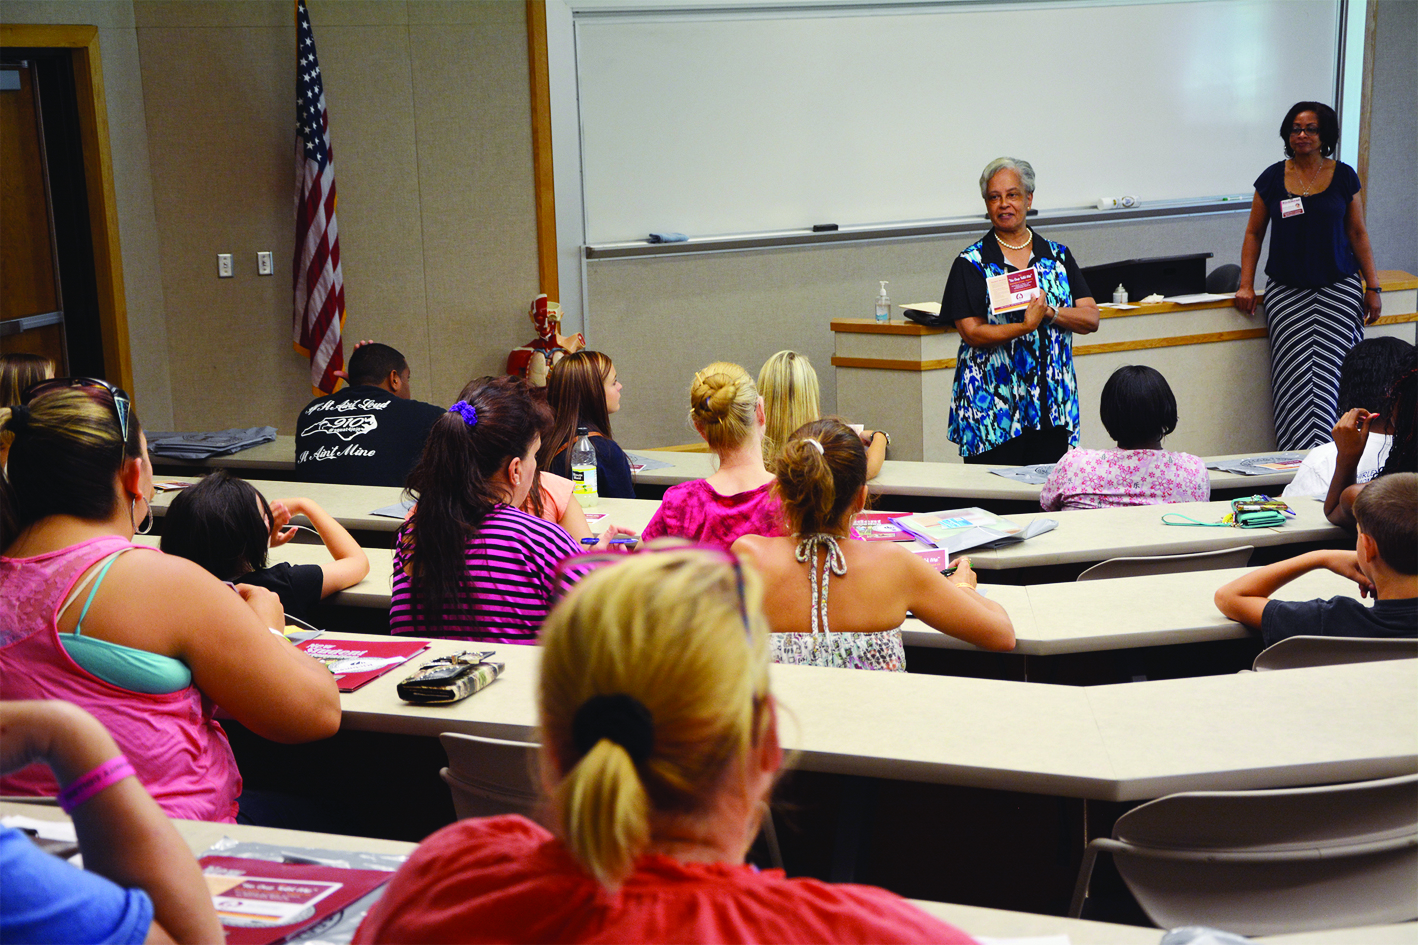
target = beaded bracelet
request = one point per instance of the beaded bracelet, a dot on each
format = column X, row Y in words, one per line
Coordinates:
column 84, row 787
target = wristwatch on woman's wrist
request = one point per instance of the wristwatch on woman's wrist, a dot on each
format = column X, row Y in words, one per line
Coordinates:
column 1374, row 288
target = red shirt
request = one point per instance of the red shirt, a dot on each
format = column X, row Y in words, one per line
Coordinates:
column 505, row 879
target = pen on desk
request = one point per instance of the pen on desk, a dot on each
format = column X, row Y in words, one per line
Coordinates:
column 623, row 540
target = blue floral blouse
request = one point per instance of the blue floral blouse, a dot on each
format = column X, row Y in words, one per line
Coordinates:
column 1027, row 383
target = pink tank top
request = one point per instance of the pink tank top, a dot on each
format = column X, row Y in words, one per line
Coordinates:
column 179, row 751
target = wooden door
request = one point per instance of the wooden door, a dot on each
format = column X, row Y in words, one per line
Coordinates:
column 31, row 305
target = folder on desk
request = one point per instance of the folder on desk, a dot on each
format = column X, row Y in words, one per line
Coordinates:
column 261, row 903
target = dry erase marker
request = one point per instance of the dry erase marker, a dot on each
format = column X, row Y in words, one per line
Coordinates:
column 623, row 540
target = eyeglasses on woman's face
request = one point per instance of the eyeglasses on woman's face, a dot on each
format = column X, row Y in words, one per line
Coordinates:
column 1311, row 130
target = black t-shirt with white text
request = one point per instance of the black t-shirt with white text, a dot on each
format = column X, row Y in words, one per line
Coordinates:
column 361, row 435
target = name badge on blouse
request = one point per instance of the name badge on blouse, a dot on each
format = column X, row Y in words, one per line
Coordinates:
column 1292, row 207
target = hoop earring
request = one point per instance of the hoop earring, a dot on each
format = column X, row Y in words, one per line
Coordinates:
column 147, row 525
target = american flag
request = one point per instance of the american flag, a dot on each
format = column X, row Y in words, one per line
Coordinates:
column 319, row 284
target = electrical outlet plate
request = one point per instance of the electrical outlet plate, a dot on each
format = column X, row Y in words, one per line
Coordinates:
column 263, row 264
column 224, row 270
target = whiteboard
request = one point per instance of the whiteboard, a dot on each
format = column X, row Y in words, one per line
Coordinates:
column 753, row 120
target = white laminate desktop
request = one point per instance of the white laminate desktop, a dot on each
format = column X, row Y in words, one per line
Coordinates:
column 1122, row 613
column 1049, row 619
column 1093, row 535
column 1127, row 742
column 353, row 506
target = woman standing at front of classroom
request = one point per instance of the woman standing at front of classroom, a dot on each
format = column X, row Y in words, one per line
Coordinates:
column 1016, row 395
column 1315, row 306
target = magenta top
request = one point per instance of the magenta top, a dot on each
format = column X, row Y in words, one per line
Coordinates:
column 180, row 753
column 695, row 511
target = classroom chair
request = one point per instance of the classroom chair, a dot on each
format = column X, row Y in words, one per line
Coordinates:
column 1270, row 862
column 1225, row 278
column 1169, row 564
column 1301, row 651
column 490, row 776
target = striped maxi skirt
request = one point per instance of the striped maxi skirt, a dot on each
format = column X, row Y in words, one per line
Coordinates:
column 1311, row 331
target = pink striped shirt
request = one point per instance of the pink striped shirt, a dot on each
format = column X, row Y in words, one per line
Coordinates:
column 507, row 588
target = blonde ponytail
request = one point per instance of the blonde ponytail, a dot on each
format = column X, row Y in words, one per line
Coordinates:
column 605, row 813
column 672, row 633
column 722, row 402
column 791, row 397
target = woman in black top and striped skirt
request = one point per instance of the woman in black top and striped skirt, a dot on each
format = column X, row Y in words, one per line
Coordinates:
column 1316, row 306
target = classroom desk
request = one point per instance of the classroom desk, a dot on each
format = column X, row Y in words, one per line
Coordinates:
column 954, row 481
column 1123, row 613
column 1126, row 742
column 352, row 506
column 1092, row 535
column 903, row 479
column 1049, row 619
column 278, row 456
column 998, row 923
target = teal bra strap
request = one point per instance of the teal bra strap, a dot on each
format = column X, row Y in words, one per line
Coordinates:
column 1192, row 521
column 94, row 590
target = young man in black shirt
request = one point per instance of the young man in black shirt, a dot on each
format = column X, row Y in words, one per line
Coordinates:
column 1384, row 563
column 369, row 433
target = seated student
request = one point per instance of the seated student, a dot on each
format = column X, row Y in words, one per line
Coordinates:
column 738, row 499
column 553, row 498
column 227, row 527
column 1369, row 370
column 583, row 391
column 1351, row 433
column 659, row 747
column 1138, row 410
column 1384, row 563
column 147, row 642
column 369, row 433
column 139, row 883
column 822, row 482
column 18, row 371
column 790, row 398
column 469, row 564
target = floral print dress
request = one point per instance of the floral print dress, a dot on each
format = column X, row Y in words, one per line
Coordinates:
column 1027, row 383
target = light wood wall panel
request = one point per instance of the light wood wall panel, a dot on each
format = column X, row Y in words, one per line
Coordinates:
column 430, row 118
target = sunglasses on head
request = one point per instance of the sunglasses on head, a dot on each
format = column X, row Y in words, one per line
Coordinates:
column 122, row 403
column 572, row 570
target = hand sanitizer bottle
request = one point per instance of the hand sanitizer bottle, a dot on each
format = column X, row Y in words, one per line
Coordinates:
column 883, row 305
column 583, row 469
column 1120, row 295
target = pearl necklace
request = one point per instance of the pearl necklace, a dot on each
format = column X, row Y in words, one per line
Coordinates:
column 1011, row 245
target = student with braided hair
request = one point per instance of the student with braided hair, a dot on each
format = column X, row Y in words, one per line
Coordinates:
column 659, row 748
column 822, row 483
column 738, row 499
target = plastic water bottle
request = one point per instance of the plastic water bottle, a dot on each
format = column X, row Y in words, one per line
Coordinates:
column 883, row 305
column 583, row 468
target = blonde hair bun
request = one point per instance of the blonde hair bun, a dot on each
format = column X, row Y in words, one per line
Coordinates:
column 722, row 401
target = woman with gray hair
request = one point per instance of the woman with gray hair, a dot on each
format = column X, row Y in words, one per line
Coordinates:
column 1016, row 396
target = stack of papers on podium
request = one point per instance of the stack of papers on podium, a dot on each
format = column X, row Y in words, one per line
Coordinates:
column 958, row 530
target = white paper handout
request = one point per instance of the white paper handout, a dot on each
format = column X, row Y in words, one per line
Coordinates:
column 1013, row 290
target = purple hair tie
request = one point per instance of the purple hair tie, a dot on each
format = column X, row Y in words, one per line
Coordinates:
column 467, row 411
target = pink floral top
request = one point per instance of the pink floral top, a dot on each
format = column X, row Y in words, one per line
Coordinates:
column 1100, row 479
